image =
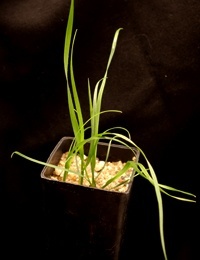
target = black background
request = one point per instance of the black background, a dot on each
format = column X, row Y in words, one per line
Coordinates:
column 154, row 79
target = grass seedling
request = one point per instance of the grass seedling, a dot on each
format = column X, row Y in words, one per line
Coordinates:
column 80, row 127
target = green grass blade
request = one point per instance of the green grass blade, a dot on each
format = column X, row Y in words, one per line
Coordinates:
column 68, row 36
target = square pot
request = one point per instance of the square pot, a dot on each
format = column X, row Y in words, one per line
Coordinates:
column 84, row 222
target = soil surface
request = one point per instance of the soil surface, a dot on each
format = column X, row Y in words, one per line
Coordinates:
column 104, row 171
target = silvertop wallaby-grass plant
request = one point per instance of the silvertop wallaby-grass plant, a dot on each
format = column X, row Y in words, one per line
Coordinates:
column 111, row 135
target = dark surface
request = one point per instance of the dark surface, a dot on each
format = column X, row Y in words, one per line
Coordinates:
column 154, row 79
